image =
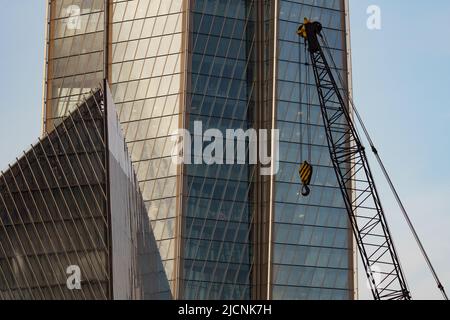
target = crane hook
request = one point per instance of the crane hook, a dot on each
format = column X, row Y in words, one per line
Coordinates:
column 305, row 172
column 305, row 191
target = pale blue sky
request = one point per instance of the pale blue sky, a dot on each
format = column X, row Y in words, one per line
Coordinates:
column 401, row 77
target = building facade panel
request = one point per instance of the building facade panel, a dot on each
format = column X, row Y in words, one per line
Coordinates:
column 146, row 68
column 311, row 241
column 75, row 59
column 53, row 214
column 73, row 224
column 220, row 230
column 218, row 214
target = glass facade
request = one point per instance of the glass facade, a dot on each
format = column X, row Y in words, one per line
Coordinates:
column 144, row 61
column 72, row 202
column 217, row 218
column 311, row 244
column 230, row 64
column 53, row 214
column 146, row 84
column 74, row 57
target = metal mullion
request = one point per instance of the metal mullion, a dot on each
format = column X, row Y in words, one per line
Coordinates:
column 159, row 126
column 226, row 54
column 120, row 21
column 203, row 53
column 128, row 41
column 89, row 184
column 78, row 55
column 34, row 226
column 13, row 226
column 229, row 86
column 82, row 35
column 145, row 58
column 70, row 56
column 171, row 79
column 10, row 268
column 81, row 165
column 250, row 224
column 19, row 239
column 240, row 219
column 44, row 176
column 59, row 15
column 203, row 225
column 74, row 36
column 75, row 199
column 204, row 261
column 204, row 95
column 62, row 77
column 249, row 249
column 70, row 116
column 31, row 223
column 228, row 221
column 215, row 97
column 160, row 118
column 99, row 109
column 198, row 200
column 50, row 215
column 153, row 68
column 199, row 218
column 135, row 53
column 2, row 294
column 73, row 153
column 2, row 297
column 202, row 14
column 86, row 131
column 217, row 221
column 61, row 216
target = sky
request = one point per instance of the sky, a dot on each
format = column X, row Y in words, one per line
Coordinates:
column 401, row 78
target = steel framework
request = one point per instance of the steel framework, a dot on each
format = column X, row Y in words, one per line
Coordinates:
column 355, row 178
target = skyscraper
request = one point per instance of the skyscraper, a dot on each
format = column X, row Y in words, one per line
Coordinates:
column 222, row 231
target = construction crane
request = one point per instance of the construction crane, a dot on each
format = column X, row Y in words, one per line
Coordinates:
column 354, row 175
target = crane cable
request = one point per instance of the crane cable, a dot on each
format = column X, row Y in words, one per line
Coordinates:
column 308, row 107
column 306, row 169
column 387, row 176
column 308, row 103
column 300, row 120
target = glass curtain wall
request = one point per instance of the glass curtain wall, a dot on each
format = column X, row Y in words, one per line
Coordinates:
column 217, row 218
column 146, row 85
column 311, row 247
column 75, row 55
column 53, row 213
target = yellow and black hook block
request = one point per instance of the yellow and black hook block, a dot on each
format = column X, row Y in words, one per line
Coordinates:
column 306, row 172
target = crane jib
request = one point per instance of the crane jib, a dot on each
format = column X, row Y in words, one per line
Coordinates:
column 354, row 178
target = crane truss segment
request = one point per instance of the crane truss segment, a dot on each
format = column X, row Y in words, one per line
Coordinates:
column 368, row 221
